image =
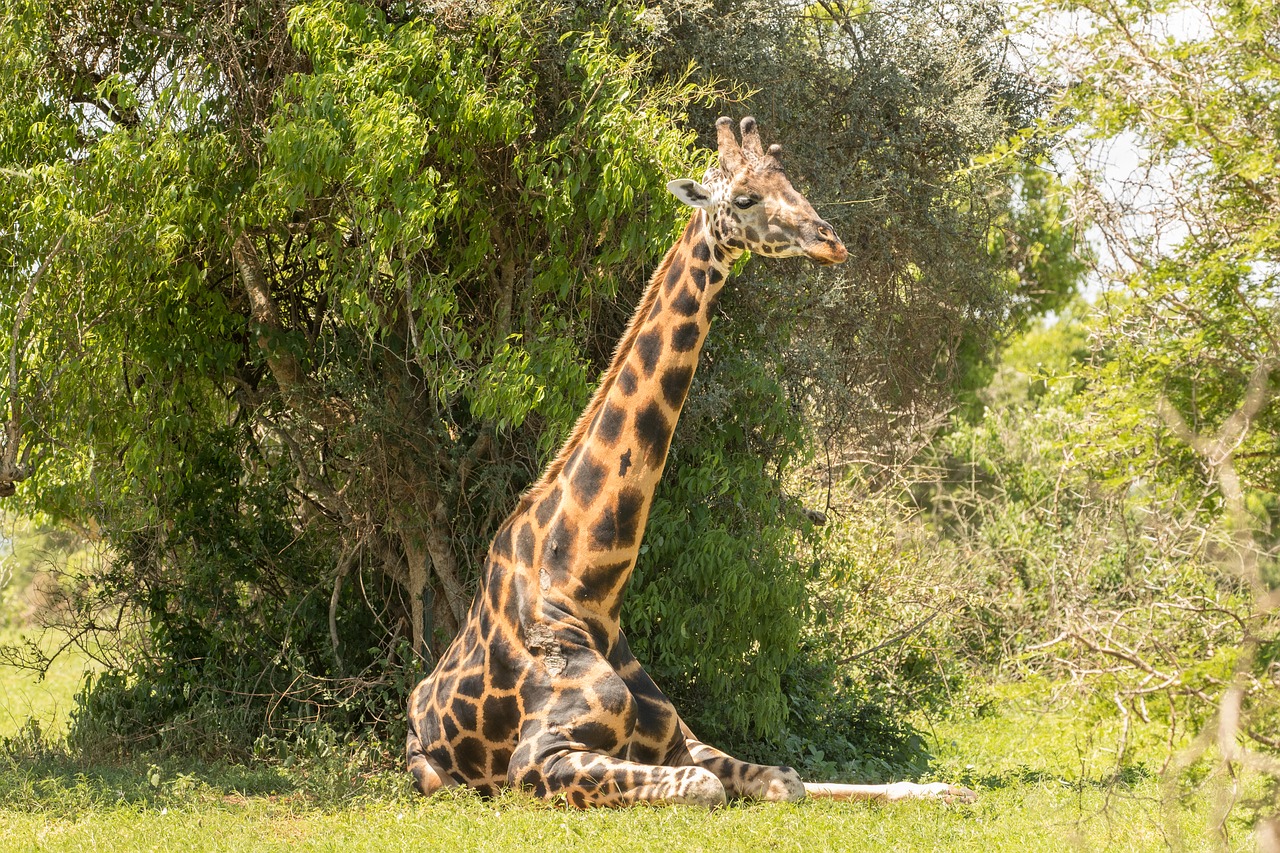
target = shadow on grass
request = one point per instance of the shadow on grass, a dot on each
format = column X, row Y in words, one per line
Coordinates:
column 38, row 773
column 60, row 781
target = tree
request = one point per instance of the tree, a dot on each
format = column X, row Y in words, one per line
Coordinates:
column 886, row 110
column 1179, row 399
column 329, row 285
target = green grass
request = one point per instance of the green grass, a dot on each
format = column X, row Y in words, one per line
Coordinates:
column 47, row 700
column 241, row 810
column 1048, row 780
column 515, row 824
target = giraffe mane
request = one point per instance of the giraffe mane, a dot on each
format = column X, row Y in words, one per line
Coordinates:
column 624, row 346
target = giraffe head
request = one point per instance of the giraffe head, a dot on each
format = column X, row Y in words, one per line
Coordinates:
column 750, row 203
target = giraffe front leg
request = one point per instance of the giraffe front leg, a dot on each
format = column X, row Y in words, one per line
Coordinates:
column 428, row 777
column 762, row 782
column 553, row 767
column 742, row 778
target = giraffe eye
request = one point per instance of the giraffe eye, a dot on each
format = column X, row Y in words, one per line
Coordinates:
column 742, row 202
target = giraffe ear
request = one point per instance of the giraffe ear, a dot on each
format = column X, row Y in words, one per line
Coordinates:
column 690, row 192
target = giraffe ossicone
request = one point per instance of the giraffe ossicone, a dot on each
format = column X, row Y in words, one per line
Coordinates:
column 539, row 689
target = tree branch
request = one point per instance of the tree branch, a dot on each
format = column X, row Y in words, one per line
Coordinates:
column 284, row 366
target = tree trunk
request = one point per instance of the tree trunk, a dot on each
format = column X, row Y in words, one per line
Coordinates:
column 431, row 542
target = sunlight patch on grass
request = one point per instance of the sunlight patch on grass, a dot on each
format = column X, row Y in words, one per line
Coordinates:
column 24, row 695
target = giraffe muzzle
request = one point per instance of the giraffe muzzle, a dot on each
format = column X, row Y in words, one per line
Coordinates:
column 824, row 246
column 828, row 253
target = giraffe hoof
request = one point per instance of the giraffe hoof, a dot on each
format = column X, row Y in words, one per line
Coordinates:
column 959, row 794
column 785, row 787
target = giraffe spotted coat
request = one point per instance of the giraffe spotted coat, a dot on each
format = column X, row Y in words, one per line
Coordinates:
column 539, row 689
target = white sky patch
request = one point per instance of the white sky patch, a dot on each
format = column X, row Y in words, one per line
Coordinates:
column 1139, row 203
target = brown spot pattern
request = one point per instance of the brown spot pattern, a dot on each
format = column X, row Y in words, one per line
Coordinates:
column 539, row 689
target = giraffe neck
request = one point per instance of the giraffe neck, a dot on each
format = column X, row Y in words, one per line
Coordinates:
column 577, row 532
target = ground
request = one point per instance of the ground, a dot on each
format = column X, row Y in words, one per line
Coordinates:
column 1048, row 781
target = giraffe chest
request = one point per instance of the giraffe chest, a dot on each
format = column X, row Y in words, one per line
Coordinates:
column 598, row 696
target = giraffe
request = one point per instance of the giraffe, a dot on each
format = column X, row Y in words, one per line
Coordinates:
column 539, row 689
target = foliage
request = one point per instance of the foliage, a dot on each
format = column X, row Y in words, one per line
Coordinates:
column 336, row 320
column 883, row 110
column 842, row 728
column 1177, row 406
column 1126, row 592
column 1037, row 241
column 33, row 562
column 1191, row 242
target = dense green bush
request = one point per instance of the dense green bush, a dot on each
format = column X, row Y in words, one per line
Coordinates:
column 335, row 326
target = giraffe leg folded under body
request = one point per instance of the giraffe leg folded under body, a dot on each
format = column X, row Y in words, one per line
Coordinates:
column 427, row 777
column 587, row 778
column 744, row 779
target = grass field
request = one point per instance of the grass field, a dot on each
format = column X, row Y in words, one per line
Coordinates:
column 48, row 700
column 1048, row 781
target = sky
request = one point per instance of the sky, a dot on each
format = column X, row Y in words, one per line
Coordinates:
column 1144, row 193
